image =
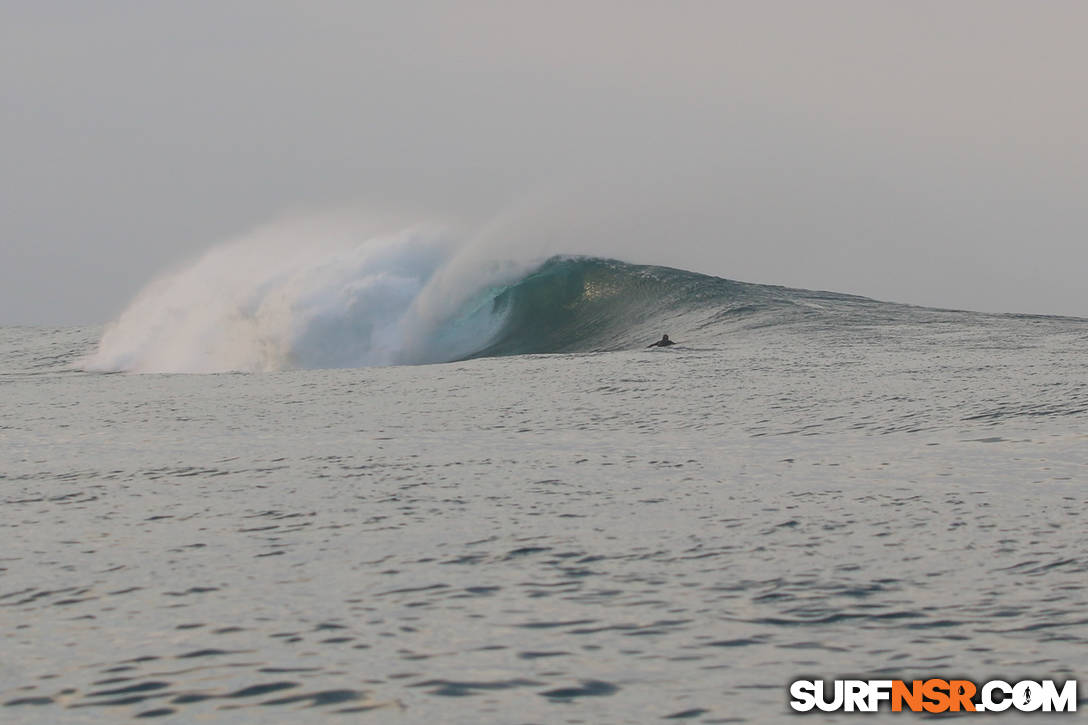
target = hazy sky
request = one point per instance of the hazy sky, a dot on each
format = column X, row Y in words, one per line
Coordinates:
column 925, row 152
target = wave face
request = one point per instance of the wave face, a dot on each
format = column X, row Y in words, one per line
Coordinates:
column 580, row 304
column 412, row 298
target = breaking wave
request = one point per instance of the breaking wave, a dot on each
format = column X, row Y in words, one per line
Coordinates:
column 307, row 299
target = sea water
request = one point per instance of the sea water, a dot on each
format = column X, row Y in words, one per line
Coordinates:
column 806, row 486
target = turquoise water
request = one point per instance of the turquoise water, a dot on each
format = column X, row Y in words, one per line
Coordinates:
column 808, row 485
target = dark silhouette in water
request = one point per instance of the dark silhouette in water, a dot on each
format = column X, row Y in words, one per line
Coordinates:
column 663, row 342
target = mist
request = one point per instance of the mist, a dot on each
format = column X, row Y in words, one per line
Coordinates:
column 929, row 153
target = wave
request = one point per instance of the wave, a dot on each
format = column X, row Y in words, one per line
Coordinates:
column 414, row 297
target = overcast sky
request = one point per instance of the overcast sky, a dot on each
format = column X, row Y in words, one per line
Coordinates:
column 925, row 152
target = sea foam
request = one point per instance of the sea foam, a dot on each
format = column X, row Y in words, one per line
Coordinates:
column 308, row 293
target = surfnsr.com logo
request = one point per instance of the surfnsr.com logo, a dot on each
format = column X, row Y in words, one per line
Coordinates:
column 933, row 695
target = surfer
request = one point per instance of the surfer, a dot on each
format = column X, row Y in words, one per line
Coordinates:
column 663, row 342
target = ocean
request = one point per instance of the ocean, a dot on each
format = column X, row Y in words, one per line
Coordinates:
column 255, row 504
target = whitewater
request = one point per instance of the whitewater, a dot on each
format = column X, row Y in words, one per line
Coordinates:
column 403, row 476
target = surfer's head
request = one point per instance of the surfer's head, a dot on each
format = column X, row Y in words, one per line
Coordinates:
column 664, row 338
